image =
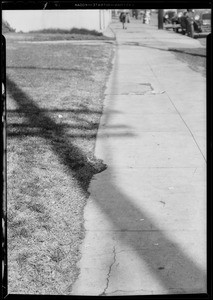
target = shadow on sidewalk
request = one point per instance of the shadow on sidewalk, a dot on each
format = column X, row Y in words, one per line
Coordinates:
column 174, row 269
column 183, row 274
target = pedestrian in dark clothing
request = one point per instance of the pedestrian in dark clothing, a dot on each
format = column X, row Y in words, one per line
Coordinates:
column 123, row 19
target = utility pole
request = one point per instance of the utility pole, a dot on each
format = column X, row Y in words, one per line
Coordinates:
column 160, row 18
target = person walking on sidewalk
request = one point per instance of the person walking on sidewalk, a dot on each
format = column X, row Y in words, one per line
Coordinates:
column 123, row 18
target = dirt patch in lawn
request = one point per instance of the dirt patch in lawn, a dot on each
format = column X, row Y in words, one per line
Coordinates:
column 54, row 103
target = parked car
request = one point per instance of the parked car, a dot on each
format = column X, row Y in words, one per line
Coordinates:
column 196, row 22
column 172, row 19
column 168, row 16
column 175, row 20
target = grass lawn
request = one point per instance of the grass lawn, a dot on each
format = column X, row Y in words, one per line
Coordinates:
column 55, row 97
column 52, row 35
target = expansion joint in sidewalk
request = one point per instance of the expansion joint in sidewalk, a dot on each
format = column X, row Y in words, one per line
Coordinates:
column 109, row 273
column 180, row 115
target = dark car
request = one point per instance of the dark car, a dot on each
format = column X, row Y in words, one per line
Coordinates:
column 176, row 20
column 196, row 22
column 171, row 19
column 168, row 16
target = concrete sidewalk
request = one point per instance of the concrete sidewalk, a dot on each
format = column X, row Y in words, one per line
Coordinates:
column 145, row 219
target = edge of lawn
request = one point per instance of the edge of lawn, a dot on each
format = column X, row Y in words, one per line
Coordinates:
column 55, row 34
column 97, row 166
column 85, row 174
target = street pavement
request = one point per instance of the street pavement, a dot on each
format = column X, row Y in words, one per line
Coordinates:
column 145, row 219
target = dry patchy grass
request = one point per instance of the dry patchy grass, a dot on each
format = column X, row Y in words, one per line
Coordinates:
column 54, row 104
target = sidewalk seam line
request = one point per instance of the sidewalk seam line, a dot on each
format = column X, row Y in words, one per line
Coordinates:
column 179, row 114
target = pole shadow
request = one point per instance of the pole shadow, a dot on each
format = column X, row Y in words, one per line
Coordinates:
column 183, row 274
column 39, row 123
column 174, row 269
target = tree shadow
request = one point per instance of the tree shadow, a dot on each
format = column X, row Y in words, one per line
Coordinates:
column 39, row 123
column 173, row 268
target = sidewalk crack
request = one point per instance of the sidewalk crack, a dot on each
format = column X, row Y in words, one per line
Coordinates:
column 109, row 273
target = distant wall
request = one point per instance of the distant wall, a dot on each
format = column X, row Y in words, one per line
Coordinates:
column 27, row 20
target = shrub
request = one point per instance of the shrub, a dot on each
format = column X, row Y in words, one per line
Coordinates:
column 74, row 30
column 6, row 27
